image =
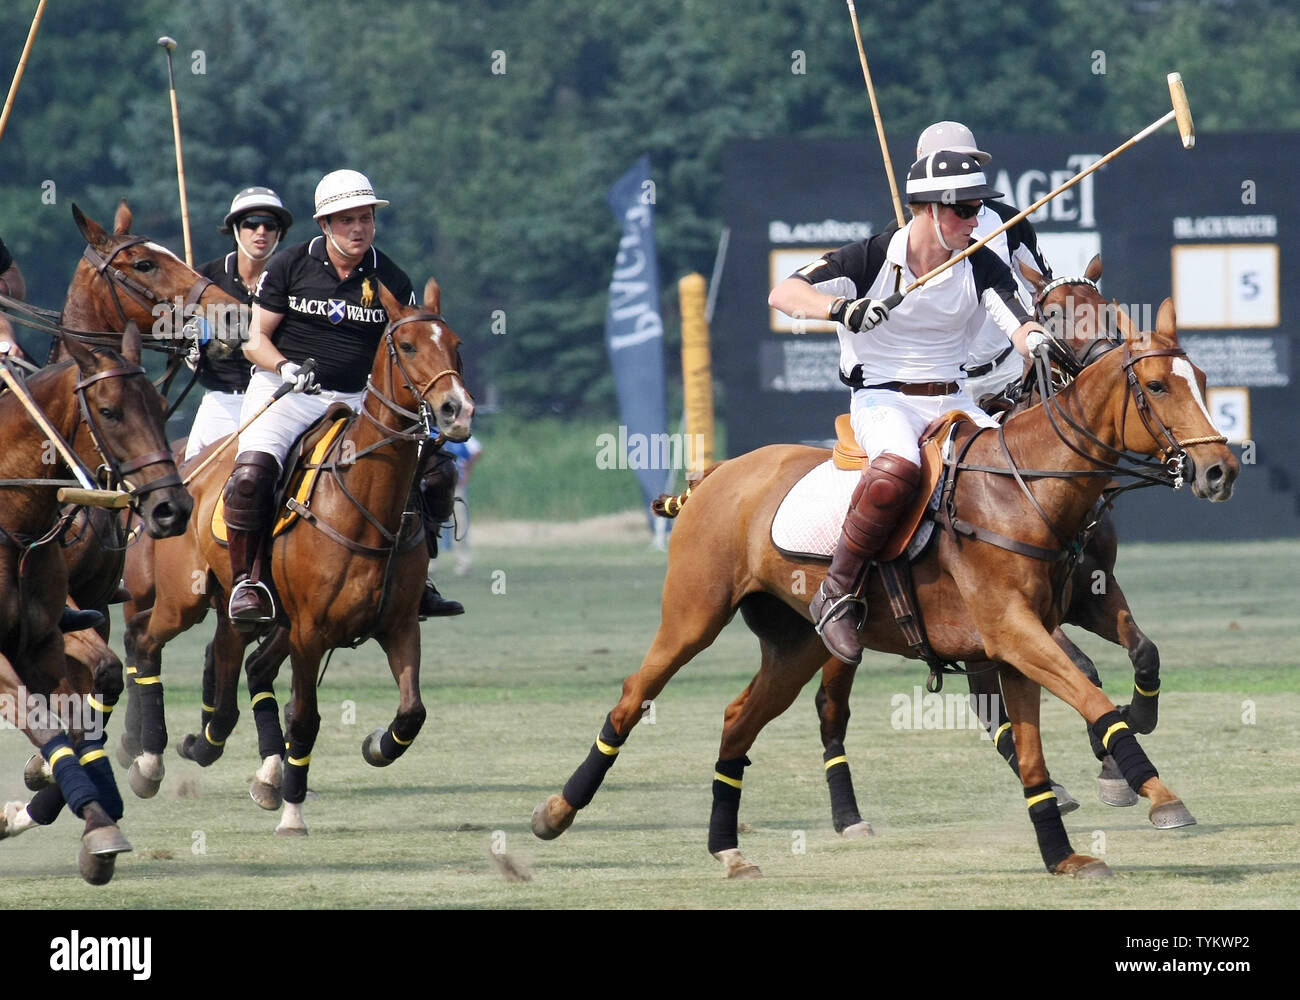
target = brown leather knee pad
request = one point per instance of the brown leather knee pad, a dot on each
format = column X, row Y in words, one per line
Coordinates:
column 248, row 495
column 886, row 488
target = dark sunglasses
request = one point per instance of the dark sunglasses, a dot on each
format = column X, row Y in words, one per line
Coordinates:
column 966, row 211
column 271, row 223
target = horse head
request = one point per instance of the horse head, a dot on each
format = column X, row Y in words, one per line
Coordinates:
column 1073, row 310
column 124, row 416
column 424, row 355
column 123, row 277
column 1164, row 409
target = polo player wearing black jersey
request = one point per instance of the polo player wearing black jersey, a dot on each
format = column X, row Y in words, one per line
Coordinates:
column 317, row 300
column 257, row 221
column 904, row 364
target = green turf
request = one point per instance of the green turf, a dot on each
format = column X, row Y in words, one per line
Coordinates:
column 517, row 688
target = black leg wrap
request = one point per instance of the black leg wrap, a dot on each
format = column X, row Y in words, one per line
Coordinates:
column 723, row 833
column 1053, row 843
column 209, row 687
column 94, row 761
column 295, row 774
column 266, row 716
column 209, row 745
column 46, row 805
column 1144, row 712
column 1116, row 739
column 153, row 725
column 132, row 715
column 391, row 747
column 1005, row 743
column 582, row 785
column 844, row 804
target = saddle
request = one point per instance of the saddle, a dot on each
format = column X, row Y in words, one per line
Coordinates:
column 302, row 467
column 846, row 455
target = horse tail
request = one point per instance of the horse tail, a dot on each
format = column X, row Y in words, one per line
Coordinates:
column 669, row 506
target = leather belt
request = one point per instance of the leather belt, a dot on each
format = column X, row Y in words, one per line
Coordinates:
column 919, row 388
column 979, row 371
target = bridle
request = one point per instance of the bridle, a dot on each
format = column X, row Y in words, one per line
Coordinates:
column 118, row 470
column 141, row 293
column 423, row 421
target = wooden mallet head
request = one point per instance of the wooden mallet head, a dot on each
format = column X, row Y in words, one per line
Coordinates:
column 1182, row 113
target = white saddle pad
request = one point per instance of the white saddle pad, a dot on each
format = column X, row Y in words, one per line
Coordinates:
column 808, row 522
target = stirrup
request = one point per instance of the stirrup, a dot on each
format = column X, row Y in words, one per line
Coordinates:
column 264, row 600
column 836, row 605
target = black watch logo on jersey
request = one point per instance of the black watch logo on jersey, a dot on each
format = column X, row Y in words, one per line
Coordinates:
column 337, row 310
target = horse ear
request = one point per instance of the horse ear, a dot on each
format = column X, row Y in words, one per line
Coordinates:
column 389, row 301
column 122, row 220
column 90, row 229
column 1032, row 276
column 432, row 296
column 131, row 342
column 1093, row 273
column 80, row 353
column 1166, row 321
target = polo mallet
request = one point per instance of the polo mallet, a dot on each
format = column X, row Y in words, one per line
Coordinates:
column 875, row 111
column 170, row 45
column 22, row 65
column 308, row 366
column 1186, row 130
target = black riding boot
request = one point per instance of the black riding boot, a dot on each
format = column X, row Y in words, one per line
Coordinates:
column 437, row 486
column 248, row 501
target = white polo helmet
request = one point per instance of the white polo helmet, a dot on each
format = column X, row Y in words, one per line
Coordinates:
column 253, row 199
column 952, row 136
column 344, row 189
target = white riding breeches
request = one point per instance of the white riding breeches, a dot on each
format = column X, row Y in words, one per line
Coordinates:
column 275, row 431
column 884, row 420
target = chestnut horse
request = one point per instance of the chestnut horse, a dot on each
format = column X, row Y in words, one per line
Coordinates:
column 980, row 601
column 103, row 396
column 1081, row 318
column 344, row 575
column 123, row 280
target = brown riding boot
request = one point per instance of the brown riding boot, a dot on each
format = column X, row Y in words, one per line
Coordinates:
column 248, row 500
column 879, row 500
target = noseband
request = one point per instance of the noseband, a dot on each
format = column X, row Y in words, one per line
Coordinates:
column 424, row 418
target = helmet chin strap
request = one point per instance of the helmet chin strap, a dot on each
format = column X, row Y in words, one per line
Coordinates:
column 938, row 230
column 252, row 256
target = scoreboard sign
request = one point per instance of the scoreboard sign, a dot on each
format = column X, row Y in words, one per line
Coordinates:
column 1214, row 228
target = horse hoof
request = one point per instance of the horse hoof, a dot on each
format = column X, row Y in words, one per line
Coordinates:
column 543, row 826
column 290, row 831
column 125, row 755
column 1111, row 786
column 36, row 773
column 370, row 749
column 266, row 796
column 1171, row 815
column 858, row 830
column 1066, row 802
column 104, row 840
column 96, row 869
column 143, row 786
column 737, row 865
column 185, row 748
column 1082, row 866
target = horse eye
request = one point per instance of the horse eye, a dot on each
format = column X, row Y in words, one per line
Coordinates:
column 1156, row 386
column 144, row 265
column 407, row 347
column 108, row 413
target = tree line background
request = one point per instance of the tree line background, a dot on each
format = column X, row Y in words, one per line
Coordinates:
column 495, row 128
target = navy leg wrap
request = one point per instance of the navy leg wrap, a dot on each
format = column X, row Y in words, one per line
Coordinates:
column 94, row 761
column 266, row 716
column 46, row 805
column 78, row 789
column 727, row 779
column 1117, row 740
column 1053, row 843
column 582, row 785
column 844, row 804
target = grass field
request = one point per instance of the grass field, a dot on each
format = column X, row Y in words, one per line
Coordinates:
column 517, row 689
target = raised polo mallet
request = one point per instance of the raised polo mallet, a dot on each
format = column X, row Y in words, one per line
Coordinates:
column 22, row 65
column 170, row 45
column 1186, row 131
column 875, row 111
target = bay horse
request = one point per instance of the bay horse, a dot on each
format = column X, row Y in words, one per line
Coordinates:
column 1077, row 314
column 353, row 567
column 981, row 602
column 105, row 397
column 122, row 281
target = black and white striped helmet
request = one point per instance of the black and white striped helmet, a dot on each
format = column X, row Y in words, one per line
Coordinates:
column 948, row 177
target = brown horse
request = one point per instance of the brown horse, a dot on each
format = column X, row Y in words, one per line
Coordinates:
column 344, row 575
column 981, row 602
column 105, row 397
column 122, row 281
column 1081, row 318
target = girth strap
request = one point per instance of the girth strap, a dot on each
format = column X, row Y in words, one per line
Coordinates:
column 896, row 575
